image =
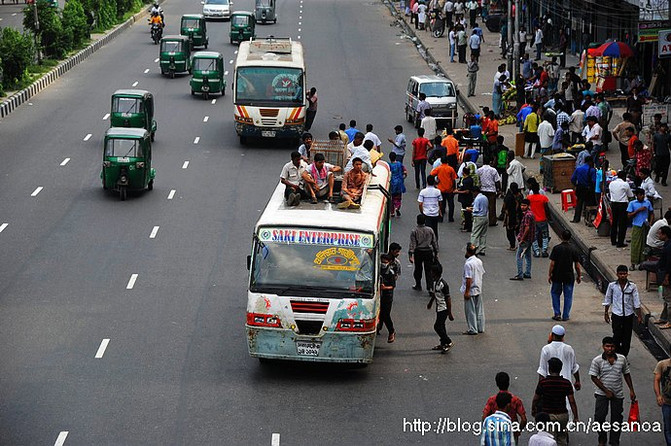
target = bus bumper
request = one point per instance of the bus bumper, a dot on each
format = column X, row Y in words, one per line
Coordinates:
column 333, row 347
column 294, row 131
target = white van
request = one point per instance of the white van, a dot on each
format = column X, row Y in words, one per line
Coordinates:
column 440, row 93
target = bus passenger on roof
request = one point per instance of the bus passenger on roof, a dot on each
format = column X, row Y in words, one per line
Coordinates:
column 352, row 186
column 319, row 179
column 292, row 178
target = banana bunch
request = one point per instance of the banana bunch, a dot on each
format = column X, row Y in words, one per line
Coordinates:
column 508, row 120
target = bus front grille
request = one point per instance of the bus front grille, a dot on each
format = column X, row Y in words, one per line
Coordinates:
column 269, row 122
column 309, row 307
column 309, row 327
column 269, row 112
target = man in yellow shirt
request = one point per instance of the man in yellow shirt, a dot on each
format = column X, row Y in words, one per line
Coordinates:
column 447, row 178
column 531, row 132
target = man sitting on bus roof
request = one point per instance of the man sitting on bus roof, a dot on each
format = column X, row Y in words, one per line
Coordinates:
column 292, row 178
column 353, row 184
column 357, row 150
column 319, row 179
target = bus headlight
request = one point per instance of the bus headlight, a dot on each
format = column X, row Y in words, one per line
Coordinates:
column 355, row 325
column 263, row 320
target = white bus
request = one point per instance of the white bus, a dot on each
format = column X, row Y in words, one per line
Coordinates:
column 314, row 284
column 269, row 89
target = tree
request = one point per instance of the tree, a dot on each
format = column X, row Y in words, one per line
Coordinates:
column 17, row 52
column 53, row 39
column 74, row 20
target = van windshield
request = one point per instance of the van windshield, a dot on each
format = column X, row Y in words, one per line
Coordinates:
column 313, row 263
column 436, row 89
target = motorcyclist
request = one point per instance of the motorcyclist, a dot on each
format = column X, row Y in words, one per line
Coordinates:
column 156, row 19
column 156, row 9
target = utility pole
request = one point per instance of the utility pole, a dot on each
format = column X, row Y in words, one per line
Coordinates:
column 37, row 32
column 516, row 39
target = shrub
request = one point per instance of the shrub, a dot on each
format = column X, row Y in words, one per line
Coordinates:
column 53, row 39
column 75, row 20
column 17, row 52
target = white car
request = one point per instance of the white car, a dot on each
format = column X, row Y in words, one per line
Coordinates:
column 217, row 9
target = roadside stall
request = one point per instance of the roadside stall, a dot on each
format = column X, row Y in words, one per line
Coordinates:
column 605, row 65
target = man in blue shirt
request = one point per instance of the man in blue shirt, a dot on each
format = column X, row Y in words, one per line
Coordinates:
column 351, row 131
column 497, row 429
column 584, row 179
column 480, row 212
column 522, row 115
column 641, row 213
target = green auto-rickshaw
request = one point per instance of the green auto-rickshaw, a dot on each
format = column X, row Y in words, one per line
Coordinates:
column 242, row 26
column 265, row 11
column 175, row 55
column 127, row 161
column 194, row 27
column 208, row 73
column 133, row 108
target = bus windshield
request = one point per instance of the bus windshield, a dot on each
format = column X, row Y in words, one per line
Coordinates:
column 313, row 263
column 275, row 86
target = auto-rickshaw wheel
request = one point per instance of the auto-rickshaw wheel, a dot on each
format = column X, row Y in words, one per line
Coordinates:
column 153, row 135
column 193, row 93
column 150, row 185
column 122, row 193
column 207, row 95
column 274, row 21
column 172, row 75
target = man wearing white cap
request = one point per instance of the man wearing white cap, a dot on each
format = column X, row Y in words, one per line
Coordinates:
column 557, row 348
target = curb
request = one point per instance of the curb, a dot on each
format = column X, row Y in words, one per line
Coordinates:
column 11, row 103
column 428, row 56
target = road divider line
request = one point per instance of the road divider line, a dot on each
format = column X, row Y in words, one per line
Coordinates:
column 235, row 52
column 3, row 226
column 225, row 73
column 131, row 282
column 36, row 191
column 299, row 30
column 171, row 195
column 156, row 60
column 154, row 232
column 275, row 439
column 87, row 137
column 185, row 165
column 106, row 116
column 299, row 37
column 146, row 71
column 102, row 348
column 206, row 118
column 60, row 441
column 214, row 101
column 230, row 61
column 300, row 23
column 196, row 140
column 135, row 84
column 65, row 161
column 13, row 15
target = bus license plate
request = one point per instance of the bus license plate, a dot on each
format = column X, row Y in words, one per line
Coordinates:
column 268, row 133
column 308, row 348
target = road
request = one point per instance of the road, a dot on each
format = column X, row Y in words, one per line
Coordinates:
column 11, row 14
column 175, row 369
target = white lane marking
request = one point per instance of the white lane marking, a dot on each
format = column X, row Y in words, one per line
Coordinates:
column 3, row 226
column 225, row 73
column 106, row 116
column 299, row 37
column 0, row 19
column 230, row 61
column 300, row 17
column 156, row 60
column 235, row 52
column 87, row 137
column 299, row 30
column 131, row 282
column 102, row 348
column 171, row 195
column 206, row 118
column 13, row 15
column 275, row 439
column 135, row 84
column 65, row 161
column 185, row 165
column 36, row 191
column 196, row 139
column 146, row 71
column 214, row 101
column 154, row 232
column 60, row 441
column 300, row 23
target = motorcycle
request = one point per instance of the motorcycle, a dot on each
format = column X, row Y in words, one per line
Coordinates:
column 437, row 24
column 156, row 33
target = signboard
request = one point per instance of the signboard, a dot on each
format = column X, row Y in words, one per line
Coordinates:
column 648, row 31
column 650, row 110
column 664, row 43
column 315, row 237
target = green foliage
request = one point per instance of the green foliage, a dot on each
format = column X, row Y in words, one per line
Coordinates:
column 53, row 39
column 17, row 52
column 74, row 20
column 107, row 14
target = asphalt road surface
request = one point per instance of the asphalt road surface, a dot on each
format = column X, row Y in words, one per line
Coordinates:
column 11, row 14
column 79, row 267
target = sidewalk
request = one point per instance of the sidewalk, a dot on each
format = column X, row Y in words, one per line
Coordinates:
column 601, row 254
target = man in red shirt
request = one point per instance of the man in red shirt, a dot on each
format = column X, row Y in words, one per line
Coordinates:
column 515, row 408
column 420, row 149
column 538, row 206
column 452, row 146
column 447, row 178
column 631, row 149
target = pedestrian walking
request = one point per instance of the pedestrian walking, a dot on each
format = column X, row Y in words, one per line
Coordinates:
column 584, row 179
column 515, row 171
column 607, row 372
column 511, row 214
column 452, row 37
column 563, row 260
column 398, row 143
column 525, row 238
column 515, row 410
column 388, row 275
column 538, row 42
column 422, row 106
column 480, row 220
column 447, row 180
column 429, row 125
column 472, row 75
column 538, row 204
column 474, row 43
column 622, row 296
column 542, row 437
column 501, row 84
column 663, row 274
column 428, row 201
column 557, row 348
column 311, row 111
column 465, row 187
column 462, row 41
column 620, row 193
column 563, row 46
column 490, row 185
column 352, row 130
column 397, row 183
column 471, row 287
column 523, row 41
column 661, row 141
column 422, row 252
column 530, row 128
column 448, row 10
column 472, row 7
column 551, row 394
column 662, row 386
column 641, row 213
column 440, row 293
column 497, row 429
column 420, row 149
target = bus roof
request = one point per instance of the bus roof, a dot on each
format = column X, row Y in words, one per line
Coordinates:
column 328, row 216
column 270, row 52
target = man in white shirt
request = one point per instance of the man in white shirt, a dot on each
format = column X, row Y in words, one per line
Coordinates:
column 319, row 179
column 593, row 132
column 557, row 348
column 538, row 42
column 653, row 241
column 546, row 135
column 448, row 9
column 542, row 438
column 429, row 204
column 622, row 297
column 620, row 193
column 292, row 177
column 357, row 150
column 370, row 136
column 472, row 7
column 490, row 185
column 429, row 125
column 471, row 287
column 648, row 185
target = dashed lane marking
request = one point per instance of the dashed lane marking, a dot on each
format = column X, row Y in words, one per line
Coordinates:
column 206, row 118
column 154, row 232
column 156, row 60
column 60, row 441
column 135, row 84
column 65, row 161
column 131, row 282
column 36, row 191
column 102, row 348
column 3, row 226
column 87, row 137
column 275, row 439
column 196, row 140
column 185, row 165
column 171, row 195
column 146, row 71
column 214, row 101
column 106, row 116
